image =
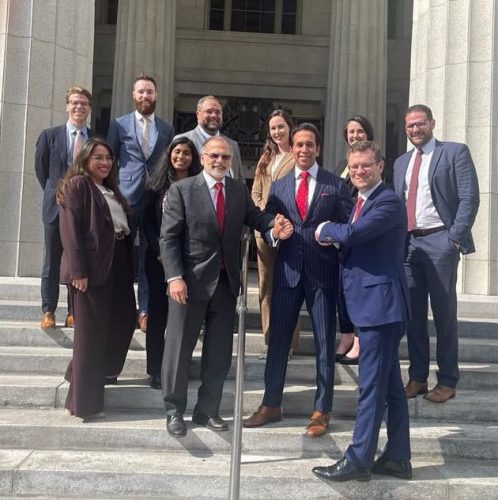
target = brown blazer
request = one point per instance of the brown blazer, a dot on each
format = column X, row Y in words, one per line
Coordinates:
column 87, row 233
column 262, row 182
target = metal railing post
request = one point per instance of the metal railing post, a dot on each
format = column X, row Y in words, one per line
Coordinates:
column 239, row 377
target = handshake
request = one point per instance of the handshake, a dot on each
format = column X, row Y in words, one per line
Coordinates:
column 282, row 229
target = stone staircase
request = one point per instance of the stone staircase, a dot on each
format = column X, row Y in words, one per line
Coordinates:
column 128, row 454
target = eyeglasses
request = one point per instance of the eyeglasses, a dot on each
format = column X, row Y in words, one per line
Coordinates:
column 215, row 112
column 216, row 156
column 83, row 104
column 102, row 157
column 148, row 92
column 364, row 166
column 420, row 124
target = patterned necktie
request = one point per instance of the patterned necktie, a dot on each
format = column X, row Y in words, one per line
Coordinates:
column 145, row 138
column 357, row 208
column 411, row 200
column 302, row 194
column 78, row 142
column 220, row 206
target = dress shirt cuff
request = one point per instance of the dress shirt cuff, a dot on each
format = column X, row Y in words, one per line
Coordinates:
column 319, row 228
column 174, row 278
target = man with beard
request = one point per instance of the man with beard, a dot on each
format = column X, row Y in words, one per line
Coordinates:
column 138, row 139
column 209, row 121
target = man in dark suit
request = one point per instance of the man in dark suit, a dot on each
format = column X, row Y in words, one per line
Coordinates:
column 209, row 114
column 55, row 149
column 202, row 225
column 138, row 139
column 376, row 294
column 304, row 270
column 439, row 183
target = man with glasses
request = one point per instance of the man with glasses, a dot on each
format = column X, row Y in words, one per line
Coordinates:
column 138, row 139
column 438, row 182
column 55, row 149
column 202, row 224
column 209, row 121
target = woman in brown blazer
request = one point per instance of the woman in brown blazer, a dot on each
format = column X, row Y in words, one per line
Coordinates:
column 275, row 162
column 97, row 267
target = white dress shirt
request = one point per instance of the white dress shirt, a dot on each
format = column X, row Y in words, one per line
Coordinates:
column 139, row 120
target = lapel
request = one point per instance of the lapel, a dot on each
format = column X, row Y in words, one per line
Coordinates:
column 62, row 145
column 400, row 180
column 436, row 156
column 368, row 204
column 132, row 127
column 279, row 171
column 290, row 196
column 198, row 138
column 99, row 200
column 319, row 186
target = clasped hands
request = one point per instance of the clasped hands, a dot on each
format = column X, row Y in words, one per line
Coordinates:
column 282, row 229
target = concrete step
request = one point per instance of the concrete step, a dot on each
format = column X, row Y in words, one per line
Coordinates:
column 54, row 360
column 134, row 394
column 119, row 430
column 144, row 474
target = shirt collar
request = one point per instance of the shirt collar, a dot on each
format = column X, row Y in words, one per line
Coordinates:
column 368, row 193
column 72, row 128
column 313, row 171
column 428, row 148
column 205, row 134
column 211, row 181
column 139, row 117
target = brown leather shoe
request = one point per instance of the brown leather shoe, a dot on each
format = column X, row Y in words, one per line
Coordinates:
column 263, row 415
column 319, row 424
column 414, row 388
column 69, row 323
column 47, row 321
column 142, row 321
column 440, row 394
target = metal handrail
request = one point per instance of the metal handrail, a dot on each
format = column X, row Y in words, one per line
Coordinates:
column 239, row 377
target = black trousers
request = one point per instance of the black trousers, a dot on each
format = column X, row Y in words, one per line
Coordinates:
column 104, row 322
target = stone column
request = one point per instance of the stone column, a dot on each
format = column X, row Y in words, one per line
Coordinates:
column 45, row 47
column 145, row 43
column 454, row 64
column 357, row 71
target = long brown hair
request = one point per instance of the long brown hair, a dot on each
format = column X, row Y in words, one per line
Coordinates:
column 80, row 167
column 270, row 149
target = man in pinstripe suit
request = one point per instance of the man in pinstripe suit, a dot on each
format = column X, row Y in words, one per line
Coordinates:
column 304, row 270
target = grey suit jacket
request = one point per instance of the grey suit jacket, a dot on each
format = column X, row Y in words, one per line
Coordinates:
column 196, row 136
column 191, row 245
column 454, row 189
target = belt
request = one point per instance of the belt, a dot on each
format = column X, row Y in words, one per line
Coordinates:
column 426, row 232
column 121, row 235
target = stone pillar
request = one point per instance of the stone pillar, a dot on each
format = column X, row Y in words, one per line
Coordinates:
column 45, row 47
column 454, row 63
column 357, row 71
column 145, row 43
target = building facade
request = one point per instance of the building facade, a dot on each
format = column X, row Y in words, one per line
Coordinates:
column 322, row 60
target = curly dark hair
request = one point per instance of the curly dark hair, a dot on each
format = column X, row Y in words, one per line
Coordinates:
column 364, row 122
column 80, row 167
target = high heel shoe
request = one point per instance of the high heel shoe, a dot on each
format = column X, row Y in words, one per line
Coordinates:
column 345, row 360
column 338, row 356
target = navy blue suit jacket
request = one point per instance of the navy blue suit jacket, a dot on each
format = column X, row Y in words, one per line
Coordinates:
column 454, row 189
column 51, row 164
column 133, row 165
column 373, row 251
column 301, row 253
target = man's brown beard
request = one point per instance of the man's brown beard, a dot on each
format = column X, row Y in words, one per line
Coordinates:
column 145, row 108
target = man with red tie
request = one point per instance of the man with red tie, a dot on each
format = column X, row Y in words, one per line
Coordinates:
column 439, row 183
column 203, row 220
column 304, row 271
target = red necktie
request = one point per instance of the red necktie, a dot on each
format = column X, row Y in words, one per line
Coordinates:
column 411, row 200
column 220, row 206
column 357, row 208
column 302, row 194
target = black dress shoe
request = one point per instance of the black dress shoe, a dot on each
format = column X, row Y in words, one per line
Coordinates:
column 176, row 425
column 397, row 468
column 343, row 470
column 215, row 423
column 155, row 381
column 345, row 360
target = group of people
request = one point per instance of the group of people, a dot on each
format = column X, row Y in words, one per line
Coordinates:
column 366, row 242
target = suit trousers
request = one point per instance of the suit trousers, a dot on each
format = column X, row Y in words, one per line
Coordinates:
column 143, row 288
column 267, row 256
column 285, row 307
column 158, row 312
column 182, row 332
column 381, row 393
column 51, row 269
column 431, row 269
column 104, row 322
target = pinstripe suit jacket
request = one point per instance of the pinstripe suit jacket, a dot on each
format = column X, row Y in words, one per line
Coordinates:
column 301, row 253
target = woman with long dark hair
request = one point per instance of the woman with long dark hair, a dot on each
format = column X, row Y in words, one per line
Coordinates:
column 275, row 162
column 179, row 161
column 97, row 267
